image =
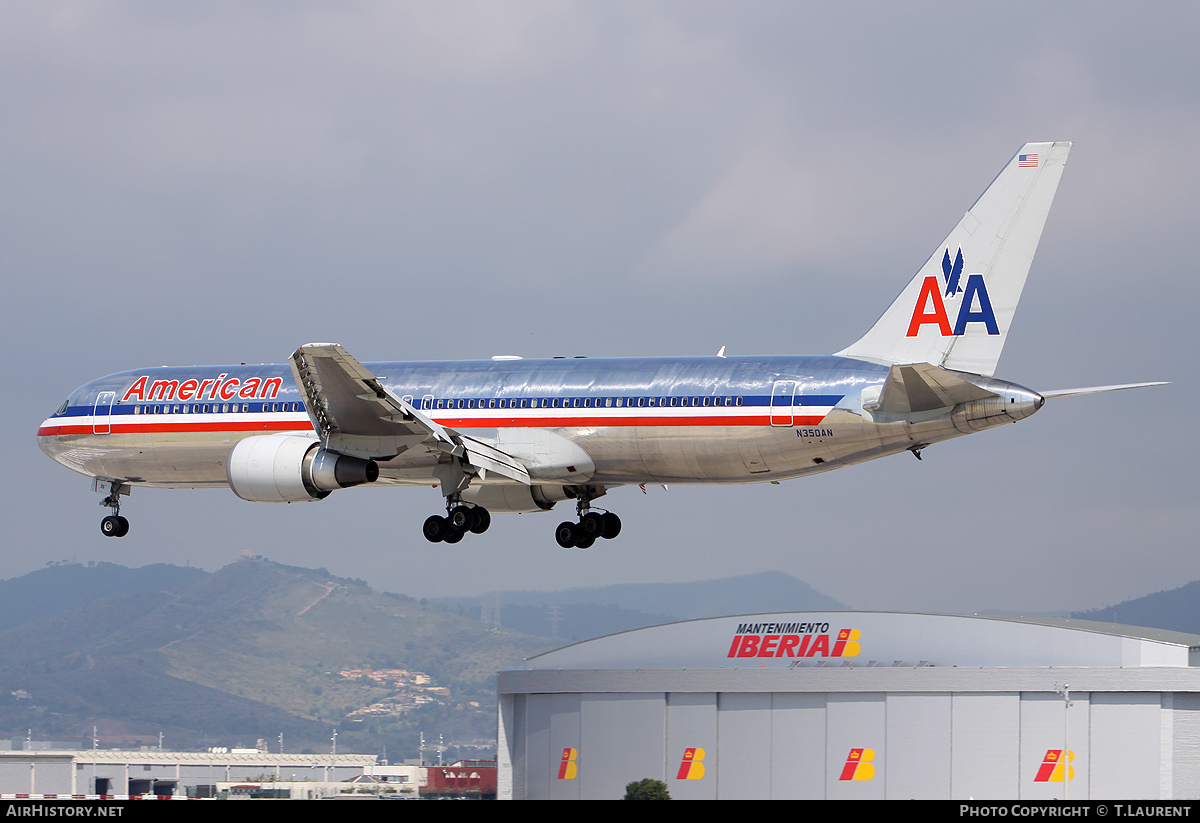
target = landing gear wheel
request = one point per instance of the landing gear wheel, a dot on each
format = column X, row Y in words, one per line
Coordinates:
column 453, row 536
column 436, row 528
column 481, row 518
column 612, row 526
column 585, row 542
column 114, row 526
column 591, row 525
column 566, row 534
column 460, row 518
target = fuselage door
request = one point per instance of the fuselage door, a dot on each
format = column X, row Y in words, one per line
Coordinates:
column 781, row 402
column 102, row 413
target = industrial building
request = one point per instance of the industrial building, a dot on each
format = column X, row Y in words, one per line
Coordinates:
column 234, row 774
column 869, row 705
column 154, row 772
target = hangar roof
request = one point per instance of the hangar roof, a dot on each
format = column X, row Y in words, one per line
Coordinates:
column 862, row 638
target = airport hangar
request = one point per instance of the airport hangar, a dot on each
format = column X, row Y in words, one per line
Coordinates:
column 858, row 705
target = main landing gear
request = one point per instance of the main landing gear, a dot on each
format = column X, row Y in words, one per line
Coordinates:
column 591, row 527
column 460, row 519
column 114, row 525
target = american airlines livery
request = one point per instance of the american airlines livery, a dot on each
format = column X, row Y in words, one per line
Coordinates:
column 514, row 435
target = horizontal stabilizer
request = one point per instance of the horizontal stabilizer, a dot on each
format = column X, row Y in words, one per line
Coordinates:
column 1098, row 389
column 920, row 387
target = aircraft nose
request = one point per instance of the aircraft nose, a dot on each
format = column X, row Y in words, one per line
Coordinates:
column 49, row 439
column 50, row 432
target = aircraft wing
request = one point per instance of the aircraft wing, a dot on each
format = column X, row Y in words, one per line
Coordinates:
column 355, row 414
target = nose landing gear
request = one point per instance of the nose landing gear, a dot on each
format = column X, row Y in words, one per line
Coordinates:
column 114, row 525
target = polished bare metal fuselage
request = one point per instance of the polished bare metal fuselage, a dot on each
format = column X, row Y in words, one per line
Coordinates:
column 640, row 420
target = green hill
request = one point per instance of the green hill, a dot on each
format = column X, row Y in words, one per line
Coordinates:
column 254, row 650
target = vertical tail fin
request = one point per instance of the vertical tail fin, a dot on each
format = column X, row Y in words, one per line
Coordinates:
column 957, row 310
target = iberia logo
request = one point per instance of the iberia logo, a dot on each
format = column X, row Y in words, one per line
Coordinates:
column 1052, row 770
column 692, row 765
column 566, row 767
column 858, row 765
column 793, row 640
column 931, row 305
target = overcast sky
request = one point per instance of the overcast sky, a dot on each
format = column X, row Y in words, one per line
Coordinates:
column 221, row 182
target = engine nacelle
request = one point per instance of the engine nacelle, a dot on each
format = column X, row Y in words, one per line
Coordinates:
column 291, row 468
column 514, row 497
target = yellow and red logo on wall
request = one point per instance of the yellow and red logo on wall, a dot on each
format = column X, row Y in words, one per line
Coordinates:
column 858, row 765
column 1052, row 768
column 793, row 640
column 692, row 766
column 566, row 767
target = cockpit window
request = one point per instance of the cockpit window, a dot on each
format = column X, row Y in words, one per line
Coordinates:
column 63, row 408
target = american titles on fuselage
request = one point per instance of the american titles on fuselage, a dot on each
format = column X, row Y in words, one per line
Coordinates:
column 729, row 409
column 223, row 387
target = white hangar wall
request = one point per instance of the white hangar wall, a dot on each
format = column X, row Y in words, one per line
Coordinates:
column 785, row 727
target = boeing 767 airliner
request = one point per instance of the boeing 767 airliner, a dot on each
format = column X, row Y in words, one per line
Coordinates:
column 514, row 435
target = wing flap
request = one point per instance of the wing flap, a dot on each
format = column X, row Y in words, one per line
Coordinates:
column 492, row 459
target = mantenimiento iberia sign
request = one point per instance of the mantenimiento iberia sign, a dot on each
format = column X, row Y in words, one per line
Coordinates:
column 793, row 640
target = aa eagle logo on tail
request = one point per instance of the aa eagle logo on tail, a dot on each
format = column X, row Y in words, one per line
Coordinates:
column 952, row 272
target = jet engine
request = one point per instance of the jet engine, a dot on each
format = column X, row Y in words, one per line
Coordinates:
column 291, row 468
